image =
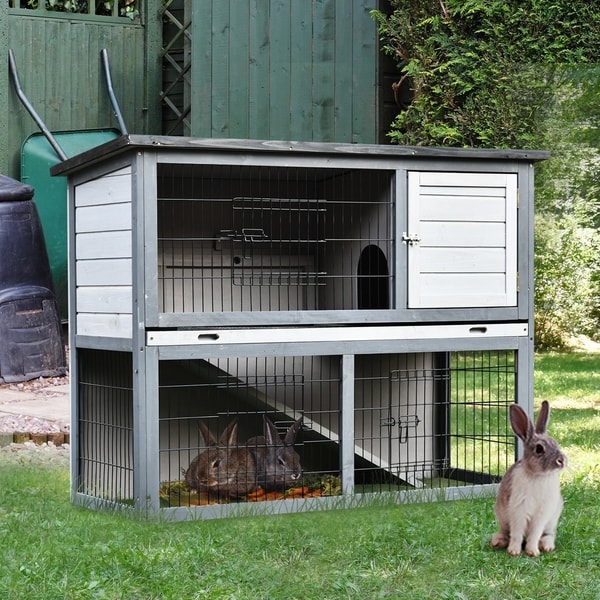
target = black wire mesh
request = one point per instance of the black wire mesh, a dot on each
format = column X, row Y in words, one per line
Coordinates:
column 424, row 421
column 236, row 238
column 105, row 424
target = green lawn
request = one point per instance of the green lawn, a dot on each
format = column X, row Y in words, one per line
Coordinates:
column 52, row 550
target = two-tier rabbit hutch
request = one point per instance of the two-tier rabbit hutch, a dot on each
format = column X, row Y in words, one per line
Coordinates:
column 383, row 294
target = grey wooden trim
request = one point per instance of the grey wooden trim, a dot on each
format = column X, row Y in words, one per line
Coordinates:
column 328, row 317
column 172, row 143
column 149, row 430
column 347, row 424
column 140, row 442
column 277, row 507
column 100, row 343
column 399, row 264
column 401, row 346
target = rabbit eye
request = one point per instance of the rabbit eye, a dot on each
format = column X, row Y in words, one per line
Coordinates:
column 539, row 449
column 216, row 463
column 281, row 462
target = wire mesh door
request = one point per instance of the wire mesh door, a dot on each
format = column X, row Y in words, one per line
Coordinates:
column 285, row 411
column 433, row 420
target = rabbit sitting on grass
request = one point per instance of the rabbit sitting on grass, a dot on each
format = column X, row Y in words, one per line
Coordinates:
column 529, row 502
column 223, row 468
column 277, row 463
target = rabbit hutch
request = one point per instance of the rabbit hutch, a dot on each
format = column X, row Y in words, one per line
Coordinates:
column 381, row 296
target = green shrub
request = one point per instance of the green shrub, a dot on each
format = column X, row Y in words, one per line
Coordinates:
column 516, row 73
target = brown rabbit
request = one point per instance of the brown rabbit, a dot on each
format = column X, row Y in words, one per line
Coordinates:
column 223, row 468
column 529, row 502
column 277, row 463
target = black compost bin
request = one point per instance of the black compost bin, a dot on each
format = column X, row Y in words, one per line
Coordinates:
column 31, row 342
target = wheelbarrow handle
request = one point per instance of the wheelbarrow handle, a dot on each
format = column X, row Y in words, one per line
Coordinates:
column 31, row 110
column 111, row 92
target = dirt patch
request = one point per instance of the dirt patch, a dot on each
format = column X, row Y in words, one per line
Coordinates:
column 44, row 388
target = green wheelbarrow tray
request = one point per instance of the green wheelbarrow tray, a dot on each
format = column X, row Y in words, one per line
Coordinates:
column 37, row 157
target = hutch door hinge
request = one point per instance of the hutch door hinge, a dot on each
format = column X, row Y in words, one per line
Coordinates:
column 410, row 238
column 518, row 282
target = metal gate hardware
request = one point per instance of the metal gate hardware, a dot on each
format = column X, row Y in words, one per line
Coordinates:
column 404, row 423
column 410, row 238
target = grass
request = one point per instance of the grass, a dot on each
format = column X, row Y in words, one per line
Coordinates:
column 53, row 550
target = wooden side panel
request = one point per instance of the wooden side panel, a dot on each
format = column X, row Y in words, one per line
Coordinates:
column 103, row 255
column 462, row 240
column 274, row 69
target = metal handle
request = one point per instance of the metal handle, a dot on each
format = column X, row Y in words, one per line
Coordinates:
column 111, row 92
column 23, row 98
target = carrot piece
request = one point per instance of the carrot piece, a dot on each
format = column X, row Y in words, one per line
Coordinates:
column 257, row 494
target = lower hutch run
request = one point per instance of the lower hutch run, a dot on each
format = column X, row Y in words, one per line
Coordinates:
column 372, row 302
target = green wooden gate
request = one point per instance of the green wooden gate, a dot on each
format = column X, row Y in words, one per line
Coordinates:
column 58, row 57
column 273, row 69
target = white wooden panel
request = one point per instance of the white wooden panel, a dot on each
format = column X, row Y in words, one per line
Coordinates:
column 105, row 325
column 463, row 289
column 457, row 190
column 104, row 299
column 106, row 217
column 463, row 208
column 108, row 189
column 106, row 244
column 466, row 253
column 445, row 179
column 467, row 235
column 463, row 260
column 225, row 290
column 190, row 280
column 462, row 284
column 512, row 198
column 218, row 337
column 112, row 271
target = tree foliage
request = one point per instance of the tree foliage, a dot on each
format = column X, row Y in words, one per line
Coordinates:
column 483, row 72
column 518, row 74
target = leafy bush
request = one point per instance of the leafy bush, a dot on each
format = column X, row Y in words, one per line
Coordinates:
column 482, row 72
column 565, row 286
column 126, row 8
column 520, row 74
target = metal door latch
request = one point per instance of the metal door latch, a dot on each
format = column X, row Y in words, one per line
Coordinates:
column 404, row 424
column 410, row 238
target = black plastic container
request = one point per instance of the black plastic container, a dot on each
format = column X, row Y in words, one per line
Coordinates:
column 31, row 343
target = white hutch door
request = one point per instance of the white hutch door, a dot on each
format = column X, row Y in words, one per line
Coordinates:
column 461, row 239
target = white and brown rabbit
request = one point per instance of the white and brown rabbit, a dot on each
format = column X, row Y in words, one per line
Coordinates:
column 529, row 502
column 223, row 468
column 277, row 463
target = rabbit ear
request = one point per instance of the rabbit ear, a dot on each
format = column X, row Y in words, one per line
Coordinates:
column 207, row 436
column 290, row 434
column 543, row 416
column 229, row 435
column 520, row 422
column 271, row 435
